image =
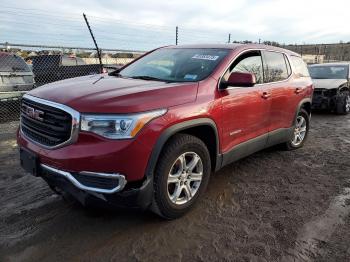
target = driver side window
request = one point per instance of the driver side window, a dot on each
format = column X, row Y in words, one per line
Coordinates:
column 250, row 62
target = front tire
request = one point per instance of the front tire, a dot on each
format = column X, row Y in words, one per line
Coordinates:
column 301, row 130
column 181, row 176
column 343, row 103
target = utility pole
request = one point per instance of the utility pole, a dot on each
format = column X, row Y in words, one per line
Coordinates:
column 229, row 38
column 259, row 41
column 93, row 38
column 176, row 35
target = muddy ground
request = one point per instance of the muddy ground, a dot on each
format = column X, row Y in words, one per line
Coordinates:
column 271, row 206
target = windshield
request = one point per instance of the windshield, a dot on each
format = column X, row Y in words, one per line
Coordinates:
column 12, row 63
column 328, row 72
column 176, row 64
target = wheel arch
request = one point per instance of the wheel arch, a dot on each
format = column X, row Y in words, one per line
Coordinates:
column 303, row 104
column 203, row 128
column 344, row 88
column 307, row 106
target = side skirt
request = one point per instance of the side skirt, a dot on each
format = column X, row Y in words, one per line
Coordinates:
column 256, row 144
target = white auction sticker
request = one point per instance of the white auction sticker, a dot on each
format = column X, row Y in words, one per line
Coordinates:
column 206, row 57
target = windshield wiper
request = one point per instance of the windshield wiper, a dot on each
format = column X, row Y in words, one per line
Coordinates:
column 115, row 73
column 149, row 78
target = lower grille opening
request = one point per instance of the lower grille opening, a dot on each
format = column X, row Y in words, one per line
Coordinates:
column 96, row 181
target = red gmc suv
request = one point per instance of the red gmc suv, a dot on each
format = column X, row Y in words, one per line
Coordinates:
column 150, row 134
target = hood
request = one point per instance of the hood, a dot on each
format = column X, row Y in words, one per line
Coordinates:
column 110, row 94
column 328, row 83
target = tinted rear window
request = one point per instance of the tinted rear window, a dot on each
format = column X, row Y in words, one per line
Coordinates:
column 13, row 63
column 275, row 67
column 300, row 66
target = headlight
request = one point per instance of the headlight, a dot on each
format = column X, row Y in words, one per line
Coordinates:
column 118, row 126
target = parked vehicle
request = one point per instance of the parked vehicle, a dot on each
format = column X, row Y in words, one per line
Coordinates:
column 150, row 134
column 51, row 68
column 332, row 89
column 16, row 78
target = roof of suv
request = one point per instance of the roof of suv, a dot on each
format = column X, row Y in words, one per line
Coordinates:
column 235, row 46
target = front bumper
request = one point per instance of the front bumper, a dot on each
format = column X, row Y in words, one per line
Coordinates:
column 63, row 169
column 131, row 197
column 324, row 99
column 94, row 154
column 92, row 181
column 66, row 170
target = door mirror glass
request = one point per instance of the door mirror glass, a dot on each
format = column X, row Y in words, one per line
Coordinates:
column 239, row 79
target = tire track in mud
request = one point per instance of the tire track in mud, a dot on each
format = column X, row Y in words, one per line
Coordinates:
column 318, row 231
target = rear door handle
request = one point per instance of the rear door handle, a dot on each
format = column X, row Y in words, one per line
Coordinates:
column 265, row 95
column 298, row 90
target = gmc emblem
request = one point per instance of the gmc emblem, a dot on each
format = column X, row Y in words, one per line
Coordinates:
column 33, row 113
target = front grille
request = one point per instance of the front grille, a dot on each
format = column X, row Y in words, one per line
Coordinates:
column 326, row 92
column 51, row 128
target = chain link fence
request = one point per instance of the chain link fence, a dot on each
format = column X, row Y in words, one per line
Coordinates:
column 23, row 68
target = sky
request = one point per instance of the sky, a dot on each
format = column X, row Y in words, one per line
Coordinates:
column 142, row 25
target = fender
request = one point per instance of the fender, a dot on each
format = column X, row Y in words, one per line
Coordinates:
column 170, row 131
column 301, row 103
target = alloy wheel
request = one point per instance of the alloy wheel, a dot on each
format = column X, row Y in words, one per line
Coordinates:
column 184, row 178
column 299, row 131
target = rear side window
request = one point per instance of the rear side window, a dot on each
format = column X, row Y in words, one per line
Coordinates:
column 300, row 66
column 275, row 67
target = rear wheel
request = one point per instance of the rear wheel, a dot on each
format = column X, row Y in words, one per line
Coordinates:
column 301, row 130
column 181, row 176
column 343, row 103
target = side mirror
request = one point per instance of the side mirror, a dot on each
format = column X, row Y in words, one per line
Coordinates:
column 239, row 79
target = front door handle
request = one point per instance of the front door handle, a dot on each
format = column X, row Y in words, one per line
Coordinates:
column 266, row 95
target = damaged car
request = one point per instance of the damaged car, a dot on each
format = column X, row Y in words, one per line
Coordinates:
column 332, row 90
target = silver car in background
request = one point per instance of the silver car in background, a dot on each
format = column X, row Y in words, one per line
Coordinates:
column 16, row 78
column 332, row 87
